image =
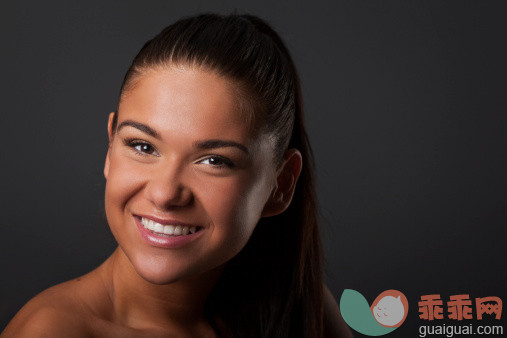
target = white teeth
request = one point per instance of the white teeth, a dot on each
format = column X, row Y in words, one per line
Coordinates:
column 169, row 229
column 159, row 228
column 151, row 225
column 176, row 230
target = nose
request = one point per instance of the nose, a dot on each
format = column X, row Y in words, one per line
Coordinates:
column 165, row 187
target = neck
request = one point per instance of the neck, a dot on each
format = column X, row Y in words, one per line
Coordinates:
column 140, row 304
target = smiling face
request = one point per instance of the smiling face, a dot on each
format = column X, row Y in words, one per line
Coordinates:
column 182, row 154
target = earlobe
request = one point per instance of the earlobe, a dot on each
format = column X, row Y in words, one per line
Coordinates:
column 110, row 140
column 110, row 127
column 283, row 191
column 106, row 166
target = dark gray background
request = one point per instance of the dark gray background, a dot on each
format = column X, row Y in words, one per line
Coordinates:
column 406, row 106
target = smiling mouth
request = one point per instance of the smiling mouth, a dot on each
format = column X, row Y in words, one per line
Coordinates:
column 168, row 230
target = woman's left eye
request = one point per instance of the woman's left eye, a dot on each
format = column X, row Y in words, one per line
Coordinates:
column 216, row 161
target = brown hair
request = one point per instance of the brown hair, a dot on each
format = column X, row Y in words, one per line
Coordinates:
column 273, row 287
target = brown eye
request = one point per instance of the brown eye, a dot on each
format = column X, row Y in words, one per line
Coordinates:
column 144, row 148
column 215, row 161
column 218, row 162
column 141, row 147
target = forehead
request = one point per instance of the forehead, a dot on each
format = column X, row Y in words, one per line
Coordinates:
column 194, row 102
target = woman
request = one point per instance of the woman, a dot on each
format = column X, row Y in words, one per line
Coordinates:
column 215, row 236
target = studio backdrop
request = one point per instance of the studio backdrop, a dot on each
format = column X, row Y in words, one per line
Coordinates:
column 406, row 105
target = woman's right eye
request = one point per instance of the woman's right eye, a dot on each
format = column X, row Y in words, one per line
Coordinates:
column 141, row 147
column 144, row 148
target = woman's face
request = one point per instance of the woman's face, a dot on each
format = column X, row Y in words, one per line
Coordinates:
column 182, row 154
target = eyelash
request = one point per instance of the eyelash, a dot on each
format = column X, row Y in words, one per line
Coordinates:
column 225, row 162
column 133, row 143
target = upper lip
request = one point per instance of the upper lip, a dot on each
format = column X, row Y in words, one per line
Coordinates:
column 165, row 221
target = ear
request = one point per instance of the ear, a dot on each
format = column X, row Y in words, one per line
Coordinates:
column 283, row 191
column 110, row 140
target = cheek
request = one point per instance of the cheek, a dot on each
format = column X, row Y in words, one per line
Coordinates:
column 124, row 180
column 234, row 207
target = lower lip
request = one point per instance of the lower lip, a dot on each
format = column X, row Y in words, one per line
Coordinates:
column 163, row 241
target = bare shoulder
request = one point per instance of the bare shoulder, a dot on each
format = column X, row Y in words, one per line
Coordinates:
column 334, row 325
column 55, row 312
column 45, row 322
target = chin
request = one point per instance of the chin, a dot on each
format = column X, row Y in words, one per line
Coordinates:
column 155, row 277
column 159, row 271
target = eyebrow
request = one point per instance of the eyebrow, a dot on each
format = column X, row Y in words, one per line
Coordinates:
column 142, row 127
column 208, row 144
column 212, row 144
